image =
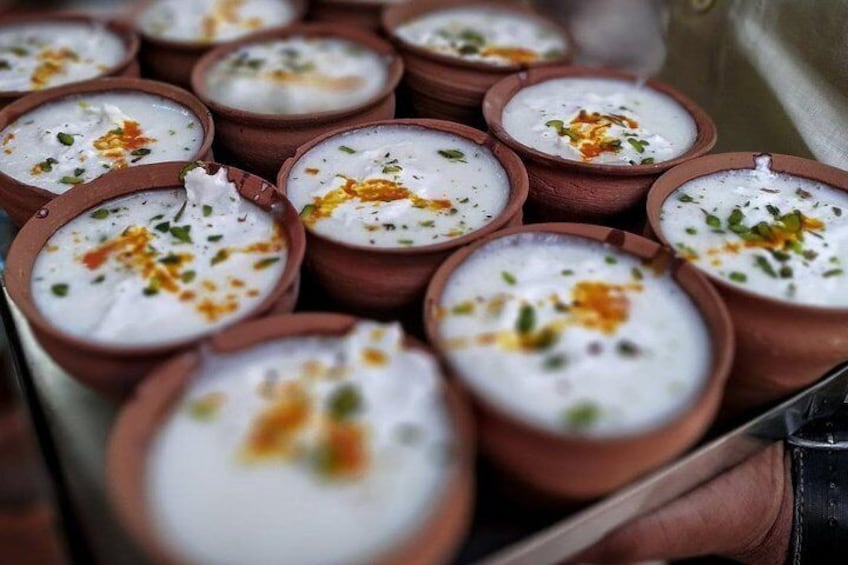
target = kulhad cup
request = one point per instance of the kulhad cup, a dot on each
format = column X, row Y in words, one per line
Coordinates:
column 574, row 191
column 261, row 142
column 20, row 200
column 172, row 61
column 782, row 346
column 389, row 281
column 127, row 66
column 450, row 88
column 114, row 369
column 435, row 538
column 568, row 466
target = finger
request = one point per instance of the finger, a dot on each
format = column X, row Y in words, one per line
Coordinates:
column 730, row 515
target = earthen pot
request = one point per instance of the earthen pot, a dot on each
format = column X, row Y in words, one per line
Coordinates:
column 573, row 467
column 566, row 190
column 437, row 536
column 115, row 370
column 351, row 12
column 450, row 88
column 388, row 281
column 126, row 67
column 261, row 142
column 781, row 347
column 172, row 61
column 21, row 201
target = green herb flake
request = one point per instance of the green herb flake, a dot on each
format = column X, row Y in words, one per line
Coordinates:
column 736, row 276
column 763, row 264
column 610, row 260
column 691, row 231
column 214, row 238
column 346, row 149
column 638, row 144
column 566, row 272
column 427, row 224
column 555, row 362
column 207, row 210
column 526, row 319
column 832, row 273
column 581, row 416
column 181, row 233
column 509, row 278
column 391, row 169
column 837, row 211
column 453, row 155
column 685, row 198
column 265, row 263
column 406, row 242
column 647, row 161
column 712, row 221
column 163, row 227
column 60, row 289
column 65, row 138
column 344, row 403
column 100, row 214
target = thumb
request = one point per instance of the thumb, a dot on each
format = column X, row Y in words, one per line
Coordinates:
column 746, row 513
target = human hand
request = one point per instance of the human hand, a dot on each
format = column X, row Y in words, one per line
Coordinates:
column 744, row 514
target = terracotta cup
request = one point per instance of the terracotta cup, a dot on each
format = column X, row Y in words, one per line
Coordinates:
column 381, row 281
column 574, row 467
column 565, row 190
column 110, row 369
column 450, row 88
column 362, row 13
column 434, row 541
column 126, row 67
column 172, row 61
column 21, row 201
column 781, row 347
column 261, row 142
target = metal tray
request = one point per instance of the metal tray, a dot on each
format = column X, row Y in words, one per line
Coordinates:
column 73, row 424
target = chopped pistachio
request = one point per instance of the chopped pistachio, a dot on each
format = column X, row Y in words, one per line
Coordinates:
column 344, row 403
column 390, row 169
column 163, row 227
column 526, row 319
column 453, row 155
column 610, row 260
column 346, row 149
column 214, row 238
column 736, row 276
column 555, row 362
column 832, row 273
column 582, row 415
column 188, row 276
column 181, row 233
column 509, row 278
column 207, row 210
column 307, row 210
column 60, row 289
column 100, row 214
column 65, row 138
column 685, row 198
column 265, row 263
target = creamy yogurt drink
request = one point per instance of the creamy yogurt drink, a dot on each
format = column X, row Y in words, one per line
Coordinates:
column 160, row 266
column 774, row 234
column 601, row 121
column 302, row 450
column 79, row 138
column 38, row 55
column 487, row 35
column 212, row 21
column 573, row 336
column 397, row 186
column 297, row 75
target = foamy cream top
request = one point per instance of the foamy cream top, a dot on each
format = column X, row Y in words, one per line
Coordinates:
column 573, row 336
column 604, row 121
column 212, row 21
column 297, row 75
column 303, row 450
column 80, row 138
column 160, row 266
column 775, row 234
column 488, row 35
column 397, row 186
column 38, row 55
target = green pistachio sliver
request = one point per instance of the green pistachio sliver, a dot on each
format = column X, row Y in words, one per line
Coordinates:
column 390, row 169
column 265, row 263
column 406, row 242
column 181, row 233
column 711, row 220
column 509, row 278
column 71, row 180
column 188, row 276
column 100, row 214
column 638, row 144
column 163, row 227
column 566, row 272
column 214, row 238
column 344, row 403
column 637, row 273
column 581, row 416
column 761, row 262
column 555, row 362
column 60, row 289
column 65, row 138
column 685, row 198
column 736, row 276
column 691, row 231
column 453, row 155
column 832, row 273
column 140, row 152
column 736, row 217
column 463, row 309
column 207, row 210
column 188, row 168
column 307, row 210
column 526, row 319
column 647, row 161
column 346, row 149
column 610, row 260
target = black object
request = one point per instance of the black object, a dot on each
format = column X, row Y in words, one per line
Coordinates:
column 819, row 453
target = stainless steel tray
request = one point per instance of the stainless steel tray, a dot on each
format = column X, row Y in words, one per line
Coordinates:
column 74, row 423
